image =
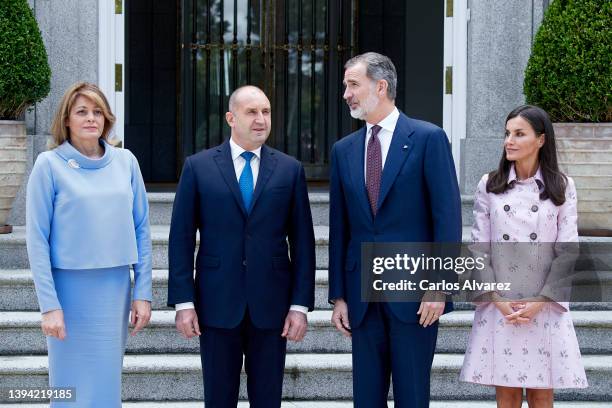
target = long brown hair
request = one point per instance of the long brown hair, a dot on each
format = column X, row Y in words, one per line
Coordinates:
column 60, row 131
column 554, row 180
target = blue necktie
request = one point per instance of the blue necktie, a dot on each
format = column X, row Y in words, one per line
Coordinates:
column 246, row 180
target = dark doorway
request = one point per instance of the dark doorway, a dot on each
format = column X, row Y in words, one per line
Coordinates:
column 184, row 58
column 293, row 49
column 151, row 91
column 411, row 33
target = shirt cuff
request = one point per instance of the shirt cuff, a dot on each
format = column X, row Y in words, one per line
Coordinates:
column 183, row 306
column 299, row 308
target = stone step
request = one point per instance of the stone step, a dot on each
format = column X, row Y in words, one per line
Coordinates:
column 13, row 253
column 331, row 404
column 307, row 377
column 21, row 334
column 596, row 221
column 160, row 208
column 595, row 215
column 586, row 168
column 467, row 207
column 602, row 143
column 587, row 283
column 17, row 291
column 594, row 153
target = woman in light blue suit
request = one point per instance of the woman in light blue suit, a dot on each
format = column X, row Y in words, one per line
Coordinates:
column 87, row 222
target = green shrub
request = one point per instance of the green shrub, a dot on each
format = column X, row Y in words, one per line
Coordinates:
column 24, row 70
column 569, row 73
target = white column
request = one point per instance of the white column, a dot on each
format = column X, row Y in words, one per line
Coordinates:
column 111, row 52
column 455, row 56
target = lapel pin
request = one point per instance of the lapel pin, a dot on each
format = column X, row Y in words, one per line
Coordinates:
column 405, row 147
column 74, row 164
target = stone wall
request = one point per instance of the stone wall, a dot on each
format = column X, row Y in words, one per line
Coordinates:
column 69, row 30
column 500, row 34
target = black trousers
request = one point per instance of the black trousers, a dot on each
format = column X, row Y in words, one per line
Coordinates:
column 222, row 352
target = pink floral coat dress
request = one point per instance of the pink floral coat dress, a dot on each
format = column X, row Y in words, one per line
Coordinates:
column 543, row 353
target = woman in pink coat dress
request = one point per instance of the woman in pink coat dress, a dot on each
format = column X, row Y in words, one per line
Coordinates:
column 517, row 341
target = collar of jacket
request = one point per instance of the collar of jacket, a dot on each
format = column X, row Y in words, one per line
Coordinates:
column 76, row 159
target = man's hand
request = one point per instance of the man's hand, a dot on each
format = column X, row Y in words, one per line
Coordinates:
column 140, row 315
column 431, row 308
column 53, row 324
column 296, row 324
column 187, row 323
column 340, row 317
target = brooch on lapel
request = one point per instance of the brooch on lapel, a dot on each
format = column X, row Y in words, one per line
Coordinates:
column 74, row 164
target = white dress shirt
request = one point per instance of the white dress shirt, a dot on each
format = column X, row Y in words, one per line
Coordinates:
column 384, row 135
column 239, row 163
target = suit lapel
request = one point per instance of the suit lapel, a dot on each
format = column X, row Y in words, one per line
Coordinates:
column 355, row 156
column 267, row 165
column 398, row 152
column 223, row 158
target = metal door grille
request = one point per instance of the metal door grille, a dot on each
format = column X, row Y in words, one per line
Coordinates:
column 293, row 49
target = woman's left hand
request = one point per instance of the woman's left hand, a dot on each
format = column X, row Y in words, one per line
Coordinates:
column 140, row 315
column 526, row 310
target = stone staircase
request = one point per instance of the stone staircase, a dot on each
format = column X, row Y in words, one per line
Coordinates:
column 161, row 369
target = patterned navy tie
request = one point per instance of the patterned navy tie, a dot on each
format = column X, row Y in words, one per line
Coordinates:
column 246, row 180
column 374, row 169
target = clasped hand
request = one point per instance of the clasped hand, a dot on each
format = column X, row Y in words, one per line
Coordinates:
column 518, row 311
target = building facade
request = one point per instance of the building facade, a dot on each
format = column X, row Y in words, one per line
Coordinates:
column 168, row 67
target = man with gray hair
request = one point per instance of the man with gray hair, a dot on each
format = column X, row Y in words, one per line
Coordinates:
column 391, row 181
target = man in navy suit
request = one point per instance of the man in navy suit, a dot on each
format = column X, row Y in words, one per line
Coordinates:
column 391, row 181
column 254, row 270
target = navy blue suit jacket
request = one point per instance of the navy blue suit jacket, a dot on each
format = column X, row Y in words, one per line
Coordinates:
column 263, row 259
column 419, row 201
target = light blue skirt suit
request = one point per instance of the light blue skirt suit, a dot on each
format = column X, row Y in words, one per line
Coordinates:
column 87, row 223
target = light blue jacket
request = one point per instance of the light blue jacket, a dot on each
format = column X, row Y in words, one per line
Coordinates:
column 87, row 214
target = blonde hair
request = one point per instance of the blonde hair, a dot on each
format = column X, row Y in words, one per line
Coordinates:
column 59, row 131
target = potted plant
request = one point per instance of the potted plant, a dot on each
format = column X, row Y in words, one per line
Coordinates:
column 570, row 76
column 24, row 80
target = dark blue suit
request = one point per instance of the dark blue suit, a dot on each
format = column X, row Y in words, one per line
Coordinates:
column 419, row 201
column 250, row 267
